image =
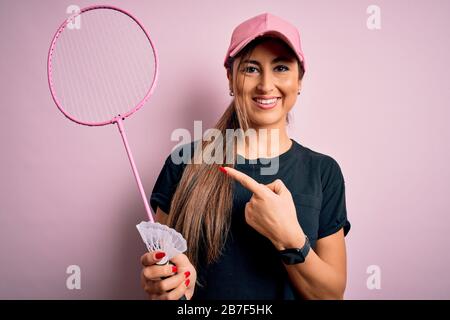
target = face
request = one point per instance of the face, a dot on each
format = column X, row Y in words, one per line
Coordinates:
column 267, row 82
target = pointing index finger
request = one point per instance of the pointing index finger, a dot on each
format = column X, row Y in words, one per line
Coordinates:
column 246, row 181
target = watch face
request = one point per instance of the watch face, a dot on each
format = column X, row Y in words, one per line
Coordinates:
column 292, row 256
column 295, row 255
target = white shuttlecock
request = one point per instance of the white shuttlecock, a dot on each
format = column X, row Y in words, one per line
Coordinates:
column 159, row 237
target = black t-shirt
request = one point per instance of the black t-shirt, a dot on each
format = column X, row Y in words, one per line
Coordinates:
column 250, row 267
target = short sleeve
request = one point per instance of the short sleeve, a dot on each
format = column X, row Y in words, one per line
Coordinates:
column 333, row 214
column 167, row 181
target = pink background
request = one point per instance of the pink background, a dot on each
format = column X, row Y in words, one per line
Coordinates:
column 375, row 100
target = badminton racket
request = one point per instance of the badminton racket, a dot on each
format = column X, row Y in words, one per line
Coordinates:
column 102, row 71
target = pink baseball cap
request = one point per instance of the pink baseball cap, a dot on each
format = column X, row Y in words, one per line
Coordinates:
column 264, row 24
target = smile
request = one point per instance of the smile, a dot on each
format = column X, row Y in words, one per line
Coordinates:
column 266, row 103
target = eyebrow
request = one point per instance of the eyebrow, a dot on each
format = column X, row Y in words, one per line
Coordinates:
column 277, row 59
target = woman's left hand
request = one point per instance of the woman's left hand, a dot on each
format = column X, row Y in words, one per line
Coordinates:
column 271, row 211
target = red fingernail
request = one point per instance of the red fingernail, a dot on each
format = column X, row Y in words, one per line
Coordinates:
column 160, row 255
column 174, row 268
column 223, row 169
column 186, row 274
column 187, row 282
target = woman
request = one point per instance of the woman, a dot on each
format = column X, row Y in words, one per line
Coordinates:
column 252, row 235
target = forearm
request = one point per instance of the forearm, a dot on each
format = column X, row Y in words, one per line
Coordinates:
column 314, row 278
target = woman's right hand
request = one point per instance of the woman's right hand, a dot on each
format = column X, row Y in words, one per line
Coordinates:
column 181, row 277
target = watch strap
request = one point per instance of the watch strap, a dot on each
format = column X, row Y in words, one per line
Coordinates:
column 296, row 255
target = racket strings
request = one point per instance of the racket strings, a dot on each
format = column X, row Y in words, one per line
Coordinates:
column 103, row 69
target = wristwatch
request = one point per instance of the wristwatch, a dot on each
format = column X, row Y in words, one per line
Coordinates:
column 295, row 255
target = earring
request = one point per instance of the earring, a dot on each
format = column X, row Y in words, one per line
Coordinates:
column 231, row 93
column 298, row 93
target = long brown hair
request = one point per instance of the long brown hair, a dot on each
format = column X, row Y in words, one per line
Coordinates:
column 202, row 203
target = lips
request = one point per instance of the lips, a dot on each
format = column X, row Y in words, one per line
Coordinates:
column 266, row 102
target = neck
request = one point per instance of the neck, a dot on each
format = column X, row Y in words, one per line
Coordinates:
column 268, row 143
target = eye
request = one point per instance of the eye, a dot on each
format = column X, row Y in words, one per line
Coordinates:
column 283, row 67
column 250, row 69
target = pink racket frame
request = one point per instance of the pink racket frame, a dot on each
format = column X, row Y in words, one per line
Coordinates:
column 119, row 118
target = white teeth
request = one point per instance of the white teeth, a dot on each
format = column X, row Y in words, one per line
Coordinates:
column 266, row 101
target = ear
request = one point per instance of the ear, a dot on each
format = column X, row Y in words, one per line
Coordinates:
column 299, row 85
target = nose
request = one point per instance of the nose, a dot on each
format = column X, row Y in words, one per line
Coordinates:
column 266, row 83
